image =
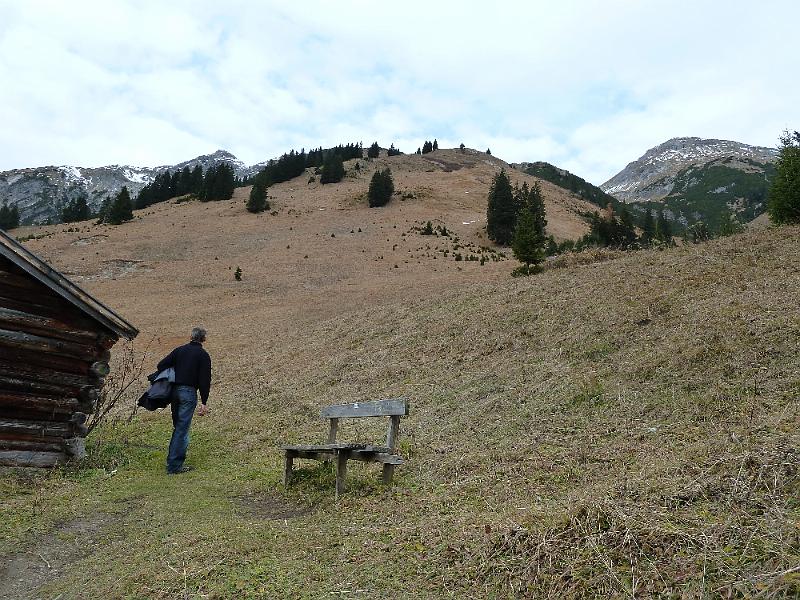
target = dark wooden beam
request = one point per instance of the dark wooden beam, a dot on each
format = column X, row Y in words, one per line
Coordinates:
column 49, row 345
column 24, row 321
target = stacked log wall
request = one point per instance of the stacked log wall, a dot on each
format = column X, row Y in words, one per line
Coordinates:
column 52, row 362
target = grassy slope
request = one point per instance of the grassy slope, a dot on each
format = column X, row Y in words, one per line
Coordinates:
column 610, row 429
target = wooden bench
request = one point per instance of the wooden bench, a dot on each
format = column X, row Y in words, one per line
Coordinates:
column 394, row 409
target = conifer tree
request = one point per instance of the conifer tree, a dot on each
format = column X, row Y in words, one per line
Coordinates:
column 488, row 151
column 393, row 151
column 648, row 228
column 121, row 209
column 373, row 151
column 530, row 241
column 105, row 209
column 9, row 217
column 729, row 225
column 427, row 147
column 783, row 204
column 663, row 231
column 76, row 210
column 501, row 210
column 435, row 145
column 381, row 188
column 257, row 202
column 461, row 147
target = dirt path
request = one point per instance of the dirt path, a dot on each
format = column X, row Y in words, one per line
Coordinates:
column 23, row 574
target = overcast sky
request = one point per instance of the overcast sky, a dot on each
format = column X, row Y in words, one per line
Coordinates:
column 587, row 85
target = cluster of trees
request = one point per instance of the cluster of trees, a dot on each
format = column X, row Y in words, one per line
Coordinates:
column 292, row 164
column 515, row 216
column 374, row 150
column 219, row 182
column 168, row 185
column 783, row 204
column 117, row 210
column 428, row 147
column 76, row 210
column 381, row 188
column 332, row 169
column 9, row 217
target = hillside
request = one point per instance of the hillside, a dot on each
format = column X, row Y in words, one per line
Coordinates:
column 618, row 429
column 698, row 179
column 569, row 181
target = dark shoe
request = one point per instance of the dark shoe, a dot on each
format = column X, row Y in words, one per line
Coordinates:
column 179, row 471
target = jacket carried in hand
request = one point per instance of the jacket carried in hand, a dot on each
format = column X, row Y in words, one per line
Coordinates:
column 160, row 393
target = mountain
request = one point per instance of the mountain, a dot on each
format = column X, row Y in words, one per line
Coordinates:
column 697, row 179
column 40, row 193
column 564, row 179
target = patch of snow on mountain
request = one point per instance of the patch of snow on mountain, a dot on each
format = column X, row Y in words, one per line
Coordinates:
column 136, row 177
column 73, row 174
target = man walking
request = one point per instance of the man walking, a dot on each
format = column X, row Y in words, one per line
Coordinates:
column 192, row 366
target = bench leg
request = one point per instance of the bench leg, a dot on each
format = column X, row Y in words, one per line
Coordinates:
column 341, row 472
column 287, row 470
column 388, row 473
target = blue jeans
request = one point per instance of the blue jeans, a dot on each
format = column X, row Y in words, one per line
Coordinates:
column 184, row 401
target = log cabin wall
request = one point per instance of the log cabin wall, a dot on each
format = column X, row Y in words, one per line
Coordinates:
column 53, row 358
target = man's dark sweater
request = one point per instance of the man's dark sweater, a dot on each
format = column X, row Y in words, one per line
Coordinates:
column 192, row 366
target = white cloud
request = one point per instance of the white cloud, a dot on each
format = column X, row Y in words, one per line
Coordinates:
column 589, row 86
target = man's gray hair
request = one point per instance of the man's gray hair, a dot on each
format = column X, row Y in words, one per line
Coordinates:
column 198, row 334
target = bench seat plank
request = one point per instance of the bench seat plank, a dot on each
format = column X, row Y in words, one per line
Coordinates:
column 374, row 408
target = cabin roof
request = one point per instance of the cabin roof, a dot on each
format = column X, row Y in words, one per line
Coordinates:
column 47, row 275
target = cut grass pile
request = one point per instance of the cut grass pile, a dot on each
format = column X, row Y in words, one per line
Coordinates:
column 618, row 429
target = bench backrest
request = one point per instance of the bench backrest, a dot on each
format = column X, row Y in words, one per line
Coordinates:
column 393, row 408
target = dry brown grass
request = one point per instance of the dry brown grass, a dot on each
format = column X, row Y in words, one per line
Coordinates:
column 622, row 426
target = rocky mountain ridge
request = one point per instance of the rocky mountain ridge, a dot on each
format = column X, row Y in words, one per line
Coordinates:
column 40, row 193
column 694, row 179
column 652, row 176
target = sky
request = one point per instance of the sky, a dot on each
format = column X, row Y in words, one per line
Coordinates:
column 586, row 85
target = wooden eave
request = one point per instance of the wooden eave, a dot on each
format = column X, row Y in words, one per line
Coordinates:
column 58, row 283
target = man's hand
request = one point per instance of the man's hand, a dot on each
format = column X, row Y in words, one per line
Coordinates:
column 202, row 410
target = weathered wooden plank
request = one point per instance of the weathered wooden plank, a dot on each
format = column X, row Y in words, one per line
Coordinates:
column 37, row 428
column 17, row 320
column 33, row 446
column 341, row 473
column 19, row 370
column 37, row 387
column 50, row 345
column 35, row 360
column 373, row 408
column 287, row 469
column 334, row 429
column 388, row 473
column 25, row 458
column 356, row 454
column 51, row 306
column 394, row 431
column 46, row 404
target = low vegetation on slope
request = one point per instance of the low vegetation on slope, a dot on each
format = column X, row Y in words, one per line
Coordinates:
column 624, row 429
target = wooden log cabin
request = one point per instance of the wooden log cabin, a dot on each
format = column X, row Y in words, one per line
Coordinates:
column 55, row 342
